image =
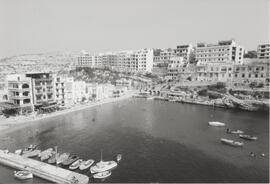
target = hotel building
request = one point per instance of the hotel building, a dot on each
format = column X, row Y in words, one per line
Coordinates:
column 224, row 51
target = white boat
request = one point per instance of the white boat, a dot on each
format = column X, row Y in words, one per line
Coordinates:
column 235, row 131
column 102, row 175
column 118, row 157
column 23, row 175
column 216, row 123
column 45, row 152
column 18, row 152
column 248, row 137
column 232, row 142
column 86, row 164
column 32, row 153
column 62, row 158
column 103, row 166
column 75, row 164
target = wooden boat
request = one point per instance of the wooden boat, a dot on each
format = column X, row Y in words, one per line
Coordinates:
column 62, row 158
column 75, row 164
column 232, row 142
column 216, row 123
column 23, row 175
column 32, row 153
column 248, row 137
column 102, row 175
column 70, row 160
column 52, row 160
column 86, row 164
column 118, row 157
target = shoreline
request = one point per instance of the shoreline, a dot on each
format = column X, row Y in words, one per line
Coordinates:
column 10, row 125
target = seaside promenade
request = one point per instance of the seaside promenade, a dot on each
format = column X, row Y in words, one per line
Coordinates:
column 8, row 124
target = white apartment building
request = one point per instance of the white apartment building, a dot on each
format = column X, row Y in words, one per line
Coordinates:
column 63, row 90
column 125, row 61
column 85, row 60
column 223, row 52
column 175, row 63
column 263, row 51
column 78, row 91
column 184, row 51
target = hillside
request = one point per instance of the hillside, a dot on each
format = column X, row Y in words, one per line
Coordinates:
column 54, row 61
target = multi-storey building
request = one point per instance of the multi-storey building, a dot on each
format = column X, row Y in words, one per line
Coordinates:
column 253, row 70
column 43, row 88
column 184, row 51
column 125, row 61
column 78, row 91
column 224, row 51
column 20, row 92
column 263, row 51
column 214, row 72
column 175, row 63
column 85, row 60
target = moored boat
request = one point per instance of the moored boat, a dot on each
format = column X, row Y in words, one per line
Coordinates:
column 18, row 152
column 23, row 175
column 234, row 131
column 103, row 166
column 62, row 158
column 216, row 123
column 102, row 175
column 32, row 153
column 70, row 160
column 52, row 160
column 45, row 152
column 75, row 164
column 46, row 155
column 248, row 137
column 86, row 164
column 232, row 142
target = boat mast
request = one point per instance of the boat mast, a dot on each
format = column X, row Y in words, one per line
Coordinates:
column 101, row 156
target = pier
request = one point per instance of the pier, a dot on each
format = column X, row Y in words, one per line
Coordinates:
column 42, row 170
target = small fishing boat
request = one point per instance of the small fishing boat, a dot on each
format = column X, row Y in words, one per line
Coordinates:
column 18, row 152
column 234, row 131
column 102, row 175
column 70, row 160
column 45, row 152
column 32, row 153
column 75, row 164
column 103, row 166
column 86, row 164
column 118, row 157
column 62, row 158
column 248, row 137
column 232, row 142
column 23, row 175
column 52, row 160
column 46, row 155
column 216, row 123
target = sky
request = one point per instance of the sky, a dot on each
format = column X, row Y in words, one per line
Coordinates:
column 39, row 26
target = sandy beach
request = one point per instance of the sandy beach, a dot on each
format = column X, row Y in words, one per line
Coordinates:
column 13, row 123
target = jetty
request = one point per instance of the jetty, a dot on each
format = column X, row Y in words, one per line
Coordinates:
column 42, row 170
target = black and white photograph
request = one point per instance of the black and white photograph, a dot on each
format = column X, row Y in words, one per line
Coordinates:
column 134, row 91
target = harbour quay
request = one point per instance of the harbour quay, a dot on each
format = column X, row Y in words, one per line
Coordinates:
column 42, row 170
